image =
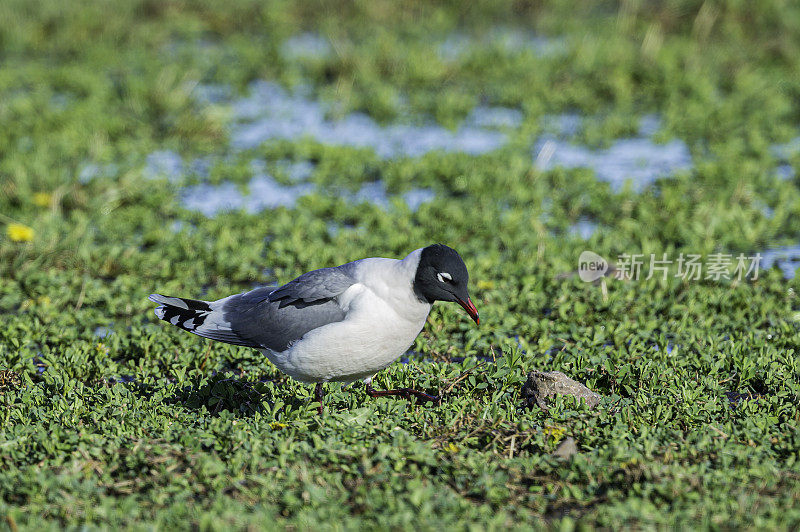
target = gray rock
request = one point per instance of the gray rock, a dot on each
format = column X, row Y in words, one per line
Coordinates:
column 543, row 384
column 566, row 449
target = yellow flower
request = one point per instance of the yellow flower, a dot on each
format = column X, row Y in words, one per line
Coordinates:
column 39, row 301
column 42, row 199
column 555, row 432
column 19, row 232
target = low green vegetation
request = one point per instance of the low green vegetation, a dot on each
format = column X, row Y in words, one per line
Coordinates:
column 111, row 419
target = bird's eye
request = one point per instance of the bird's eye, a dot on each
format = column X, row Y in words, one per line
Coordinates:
column 444, row 277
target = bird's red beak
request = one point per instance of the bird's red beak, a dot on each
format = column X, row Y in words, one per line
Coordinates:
column 471, row 310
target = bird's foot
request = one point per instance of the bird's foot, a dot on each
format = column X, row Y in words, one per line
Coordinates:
column 319, row 393
column 406, row 393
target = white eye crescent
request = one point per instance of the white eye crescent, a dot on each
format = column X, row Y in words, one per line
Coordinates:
column 444, row 276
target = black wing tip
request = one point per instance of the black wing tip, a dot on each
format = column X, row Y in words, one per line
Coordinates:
column 188, row 320
column 180, row 302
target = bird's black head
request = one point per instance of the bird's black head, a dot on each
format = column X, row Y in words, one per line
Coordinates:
column 442, row 276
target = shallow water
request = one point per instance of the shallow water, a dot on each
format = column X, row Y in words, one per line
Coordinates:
column 164, row 163
column 563, row 125
column 376, row 194
column 457, row 46
column 417, row 197
column 784, row 152
column 89, row 171
column 785, row 171
column 211, row 200
column 295, row 171
column 637, row 159
column 270, row 112
column 786, row 258
column 306, row 46
column 495, row 117
column 584, row 228
column 102, row 332
column 264, row 192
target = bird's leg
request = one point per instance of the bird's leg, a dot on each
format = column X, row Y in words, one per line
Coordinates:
column 319, row 393
column 406, row 393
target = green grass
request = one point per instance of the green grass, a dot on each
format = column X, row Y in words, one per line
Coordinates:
column 206, row 435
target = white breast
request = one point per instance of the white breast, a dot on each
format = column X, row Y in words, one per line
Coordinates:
column 383, row 317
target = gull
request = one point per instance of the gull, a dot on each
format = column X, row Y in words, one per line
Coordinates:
column 339, row 324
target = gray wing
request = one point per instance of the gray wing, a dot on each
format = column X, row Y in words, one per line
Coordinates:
column 273, row 318
column 316, row 285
